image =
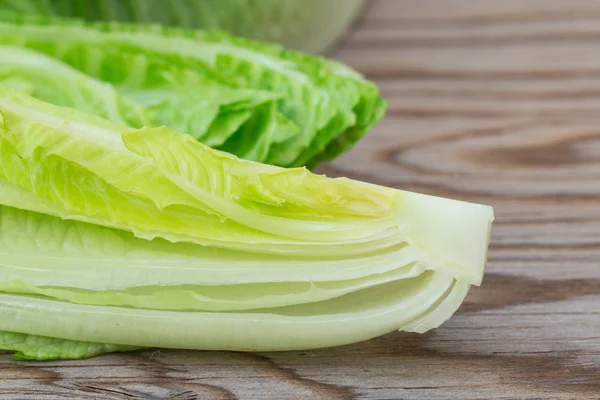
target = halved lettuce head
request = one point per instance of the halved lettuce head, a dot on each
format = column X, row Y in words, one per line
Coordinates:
column 113, row 238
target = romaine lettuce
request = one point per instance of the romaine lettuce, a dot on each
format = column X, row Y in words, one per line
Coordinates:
column 257, row 100
column 146, row 237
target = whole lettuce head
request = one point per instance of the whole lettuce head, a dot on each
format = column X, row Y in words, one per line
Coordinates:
column 307, row 25
column 253, row 99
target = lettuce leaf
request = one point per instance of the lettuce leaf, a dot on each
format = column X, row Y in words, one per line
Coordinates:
column 40, row 348
column 129, row 188
column 212, row 115
column 55, row 82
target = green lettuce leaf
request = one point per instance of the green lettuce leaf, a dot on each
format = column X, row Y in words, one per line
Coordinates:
column 213, row 207
column 55, row 82
column 211, row 115
column 40, row 348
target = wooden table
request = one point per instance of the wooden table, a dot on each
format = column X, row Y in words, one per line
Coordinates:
column 492, row 101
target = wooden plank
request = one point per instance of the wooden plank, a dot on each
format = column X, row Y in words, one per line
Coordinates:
column 490, row 101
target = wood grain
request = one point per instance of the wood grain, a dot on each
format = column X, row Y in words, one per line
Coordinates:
column 491, row 101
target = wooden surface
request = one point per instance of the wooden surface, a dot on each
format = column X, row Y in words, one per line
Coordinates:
column 491, row 101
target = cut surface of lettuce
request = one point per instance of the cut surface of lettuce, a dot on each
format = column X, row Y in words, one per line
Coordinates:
column 355, row 317
column 148, row 238
column 304, row 109
column 214, row 297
